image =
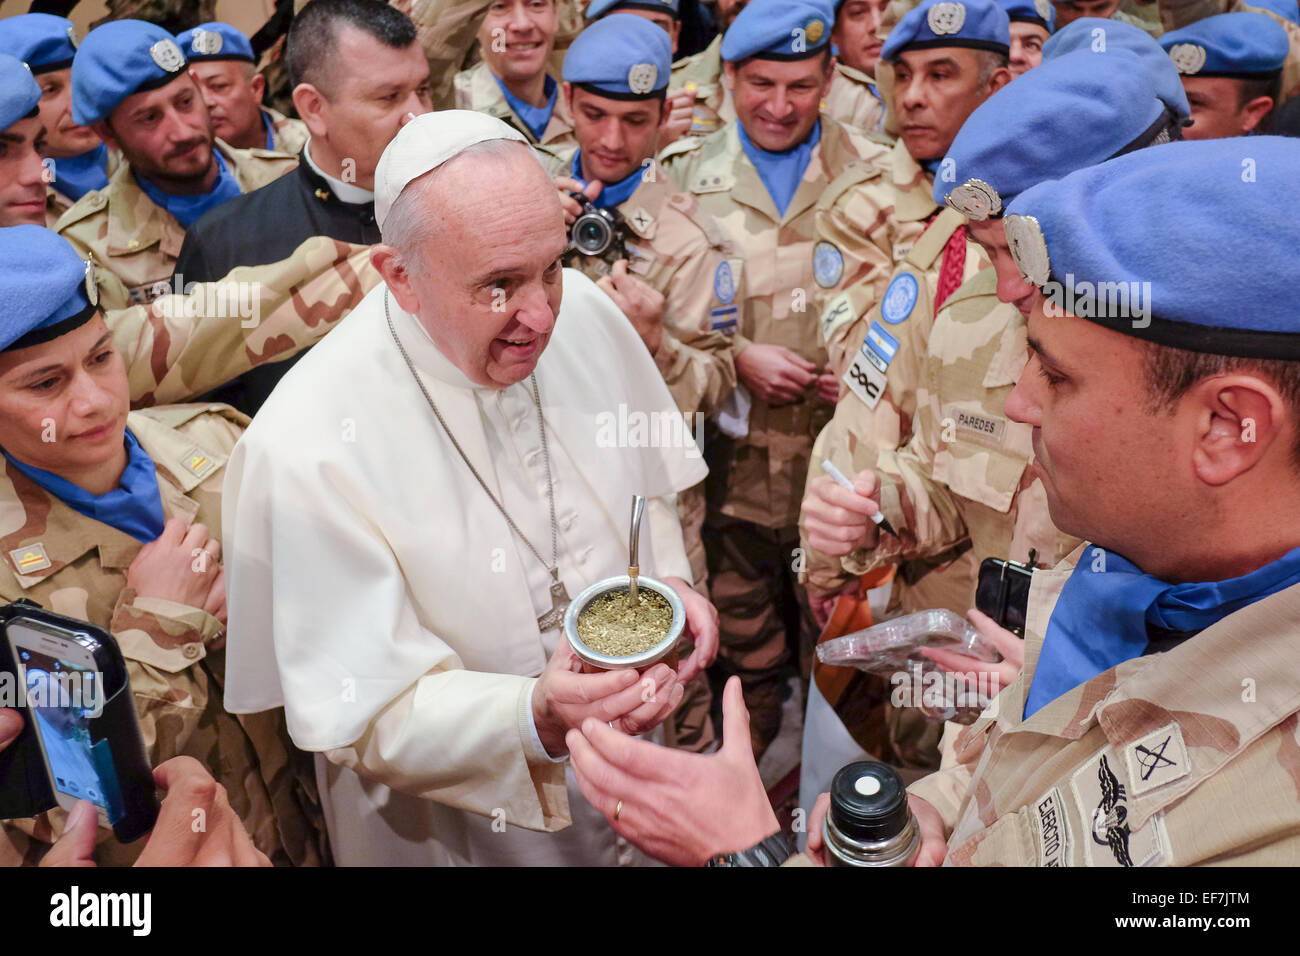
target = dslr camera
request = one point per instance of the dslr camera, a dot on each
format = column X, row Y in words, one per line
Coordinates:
column 598, row 233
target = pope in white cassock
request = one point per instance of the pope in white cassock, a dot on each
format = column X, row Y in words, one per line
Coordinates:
column 420, row 495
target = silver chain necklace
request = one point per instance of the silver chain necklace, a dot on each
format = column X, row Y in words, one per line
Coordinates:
column 559, row 596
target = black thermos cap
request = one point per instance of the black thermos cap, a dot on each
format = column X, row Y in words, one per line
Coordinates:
column 869, row 802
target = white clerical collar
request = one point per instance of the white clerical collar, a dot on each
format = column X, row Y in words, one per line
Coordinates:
column 350, row 193
column 425, row 355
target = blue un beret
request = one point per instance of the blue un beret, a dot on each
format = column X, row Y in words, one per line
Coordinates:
column 978, row 24
column 1155, row 220
column 20, row 95
column 1286, row 9
column 598, row 8
column 42, row 41
column 1082, row 34
column 1064, row 115
column 1244, row 45
column 621, row 56
column 46, row 289
column 117, row 59
column 779, row 30
column 1040, row 12
column 215, row 41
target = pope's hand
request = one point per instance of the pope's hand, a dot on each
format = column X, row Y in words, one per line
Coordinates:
column 573, row 208
column 564, row 697
column 701, row 624
column 679, row 807
column 838, row 521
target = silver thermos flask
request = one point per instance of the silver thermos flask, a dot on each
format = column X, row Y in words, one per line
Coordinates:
column 869, row 822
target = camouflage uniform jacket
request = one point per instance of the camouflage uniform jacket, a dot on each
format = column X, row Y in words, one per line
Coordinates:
column 854, row 100
column 134, row 240
column 680, row 252
column 288, row 135
column 477, row 89
column 765, row 482
column 1185, row 757
column 880, row 397
column 175, row 677
column 56, row 204
column 180, row 346
column 701, row 73
column 866, row 222
column 964, row 471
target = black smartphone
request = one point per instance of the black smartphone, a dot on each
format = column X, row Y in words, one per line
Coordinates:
column 1002, row 591
column 81, row 739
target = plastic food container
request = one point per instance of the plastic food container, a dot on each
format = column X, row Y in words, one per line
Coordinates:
column 893, row 648
column 593, row 660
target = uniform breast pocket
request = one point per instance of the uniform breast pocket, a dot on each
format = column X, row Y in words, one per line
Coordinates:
column 979, row 455
column 1008, row 842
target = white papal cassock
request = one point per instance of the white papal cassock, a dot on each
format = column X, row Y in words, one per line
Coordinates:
column 377, row 594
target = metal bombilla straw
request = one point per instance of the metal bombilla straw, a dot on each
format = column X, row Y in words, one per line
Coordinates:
column 633, row 569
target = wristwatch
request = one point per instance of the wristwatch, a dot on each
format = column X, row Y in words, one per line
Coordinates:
column 770, row 851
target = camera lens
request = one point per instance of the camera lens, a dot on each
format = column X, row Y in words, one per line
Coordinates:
column 591, row 234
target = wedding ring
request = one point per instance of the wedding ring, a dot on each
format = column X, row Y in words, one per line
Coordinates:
column 618, row 809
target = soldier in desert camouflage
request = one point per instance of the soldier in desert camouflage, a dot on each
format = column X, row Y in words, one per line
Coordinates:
column 113, row 517
column 760, row 179
column 129, row 83
column 964, row 474
column 854, row 98
column 511, row 82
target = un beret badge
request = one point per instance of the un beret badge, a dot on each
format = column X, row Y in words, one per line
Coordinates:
column 206, row 42
column 1028, row 248
column 945, row 18
column 1188, row 57
column 167, row 55
column 976, row 200
column 1044, row 8
column 92, row 290
column 813, row 31
column 72, row 36
column 641, row 78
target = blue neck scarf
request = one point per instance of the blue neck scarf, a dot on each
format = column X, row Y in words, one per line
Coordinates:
column 186, row 209
column 613, row 194
column 1105, row 607
column 781, row 172
column 270, row 132
column 536, row 118
column 77, row 175
column 134, row 507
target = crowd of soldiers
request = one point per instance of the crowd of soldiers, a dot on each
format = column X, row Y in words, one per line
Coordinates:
column 809, row 219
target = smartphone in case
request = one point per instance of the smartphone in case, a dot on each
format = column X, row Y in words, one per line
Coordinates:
column 81, row 739
column 1002, row 591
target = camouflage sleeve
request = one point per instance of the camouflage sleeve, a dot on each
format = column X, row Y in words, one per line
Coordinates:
column 821, row 572
column 857, row 226
column 946, row 791
column 446, row 30
column 923, row 510
column 182, row 346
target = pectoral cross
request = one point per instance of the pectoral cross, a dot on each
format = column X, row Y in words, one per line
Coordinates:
column 559, row 603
